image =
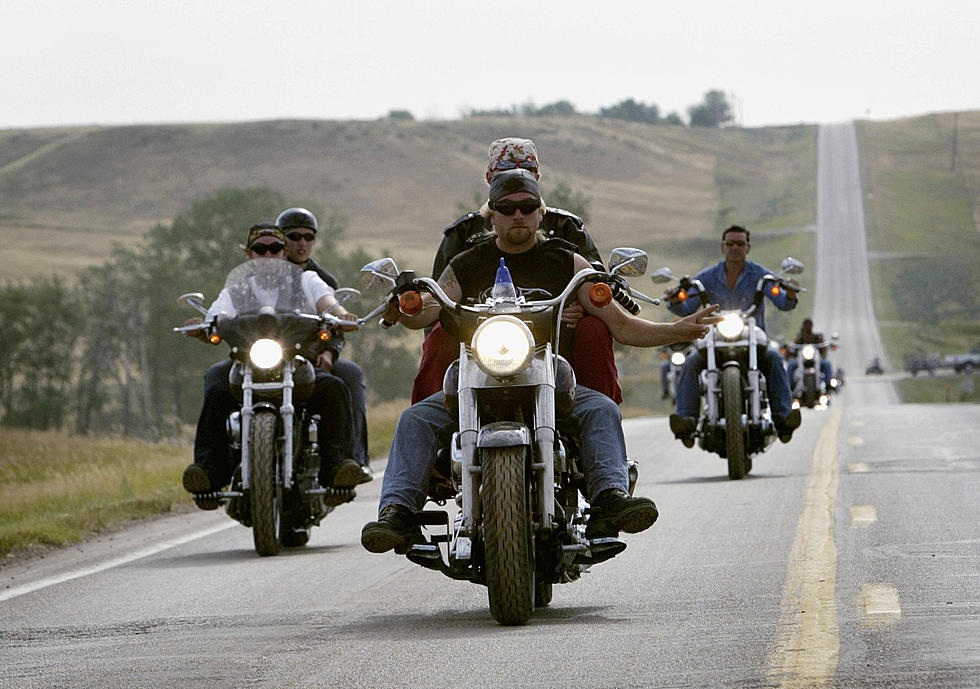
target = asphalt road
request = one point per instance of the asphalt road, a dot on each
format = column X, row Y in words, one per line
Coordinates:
column 847, row 558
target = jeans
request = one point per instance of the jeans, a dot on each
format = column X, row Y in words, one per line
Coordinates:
column 597, row 420
column 330, row 400
column 771, row 366
column 353, row 378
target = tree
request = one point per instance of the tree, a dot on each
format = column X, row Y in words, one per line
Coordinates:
column 400, row 115
column 714, row 111
column 632, row 111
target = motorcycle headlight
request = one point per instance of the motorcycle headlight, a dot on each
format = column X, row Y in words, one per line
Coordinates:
column 809, row 351
column 265, row 353
column 677, row 358
column 731, row 326
column 502, row 346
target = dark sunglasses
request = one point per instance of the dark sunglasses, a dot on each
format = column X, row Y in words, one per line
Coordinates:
column 735, row 242
column 272, row 248
column 526, row 207
column 296, row 236
column 531, row 165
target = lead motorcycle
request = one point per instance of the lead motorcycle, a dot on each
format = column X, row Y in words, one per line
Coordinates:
column 735, row 421
column 512, row 467
column 274, row 489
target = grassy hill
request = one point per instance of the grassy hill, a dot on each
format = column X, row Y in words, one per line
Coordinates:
column 75, row 191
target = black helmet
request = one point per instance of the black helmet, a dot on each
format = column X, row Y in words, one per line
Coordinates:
column 296, row 217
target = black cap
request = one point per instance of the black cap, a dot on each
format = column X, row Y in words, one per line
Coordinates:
column 513, row 182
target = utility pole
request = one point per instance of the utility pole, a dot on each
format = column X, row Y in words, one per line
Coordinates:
column 956, row 129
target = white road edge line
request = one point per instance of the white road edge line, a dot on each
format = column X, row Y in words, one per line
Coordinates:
column 109, row 564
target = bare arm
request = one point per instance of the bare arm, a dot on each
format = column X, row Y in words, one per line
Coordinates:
column 639, row 332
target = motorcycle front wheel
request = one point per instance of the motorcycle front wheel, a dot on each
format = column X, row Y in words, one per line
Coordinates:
column 731, row 390
column 508, row 536
column 266, row 485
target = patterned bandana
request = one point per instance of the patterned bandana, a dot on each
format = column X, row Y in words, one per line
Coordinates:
column 511, row 152
column 264, row 229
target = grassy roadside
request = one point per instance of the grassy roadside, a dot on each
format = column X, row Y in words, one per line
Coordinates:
column 922, row 211
column 57, row 489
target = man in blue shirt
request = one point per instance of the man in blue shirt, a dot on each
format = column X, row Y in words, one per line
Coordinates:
column 732, row 283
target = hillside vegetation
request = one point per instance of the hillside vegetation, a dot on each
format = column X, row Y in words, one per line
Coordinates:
column 75, row 191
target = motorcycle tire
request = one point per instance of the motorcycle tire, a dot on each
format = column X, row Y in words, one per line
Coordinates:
column 731, row 389
column 508, row 536
column 809, row 390
column 266, row 488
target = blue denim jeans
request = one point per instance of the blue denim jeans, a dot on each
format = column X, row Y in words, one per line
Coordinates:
column 353, row 378
column 771, row 366
column 413, row 449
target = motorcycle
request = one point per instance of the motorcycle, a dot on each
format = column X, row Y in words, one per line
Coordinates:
column 735, row 421
column 274, row 488
column 512, row 466
column 674, row 357
column 810, row 389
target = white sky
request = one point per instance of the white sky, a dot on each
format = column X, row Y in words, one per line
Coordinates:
column 135, row 61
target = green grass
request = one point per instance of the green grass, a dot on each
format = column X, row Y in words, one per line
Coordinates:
column 940, row 389
column 923, row 220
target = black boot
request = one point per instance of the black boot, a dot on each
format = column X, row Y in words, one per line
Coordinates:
column 786, row 426
column 343, row 473
column 396, row 528
column 614, row 510
column 197, row 481
column 683, row 428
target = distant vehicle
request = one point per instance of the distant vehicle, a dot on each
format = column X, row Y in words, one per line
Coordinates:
column 874, row 368
column 964, row 363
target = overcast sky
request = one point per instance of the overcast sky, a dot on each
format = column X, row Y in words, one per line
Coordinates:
column 781, row 62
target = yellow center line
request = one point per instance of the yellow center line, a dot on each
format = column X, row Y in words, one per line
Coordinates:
column 806, row 655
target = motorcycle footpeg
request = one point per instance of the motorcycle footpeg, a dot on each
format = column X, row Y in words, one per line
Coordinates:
column 600, row 550
column 332, row 497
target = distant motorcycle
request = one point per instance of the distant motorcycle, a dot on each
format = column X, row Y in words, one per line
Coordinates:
column 736, row 421
column 274, row 489
column 810, row 388
column 512, row 467
column 674, row 356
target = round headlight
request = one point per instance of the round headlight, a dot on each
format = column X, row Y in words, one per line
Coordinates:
column 809, row 351
column 677, row 358
column 502, row 346
column 731, row 326
column 265, row 353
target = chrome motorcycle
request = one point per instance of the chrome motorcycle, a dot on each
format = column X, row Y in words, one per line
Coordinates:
column 274, row 489
column 511, row 467
column 735, row 421
column 809, row 384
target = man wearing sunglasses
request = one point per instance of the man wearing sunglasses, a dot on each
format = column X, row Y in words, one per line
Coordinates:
column 731, row 283
column 592, row 352
column 516, row 211
column 213, row 465
column 299, row 227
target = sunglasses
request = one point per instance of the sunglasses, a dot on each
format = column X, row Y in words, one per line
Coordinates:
column 273, row 248
column 296, row 236
column 531, row 165
column 526, row 207
column 735, row 242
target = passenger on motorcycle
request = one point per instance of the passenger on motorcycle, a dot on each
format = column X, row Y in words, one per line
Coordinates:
column 534, row 261
column 807, row 336
column 299, row 226
column 592, row 351
column 731, row 283
column 213, row 464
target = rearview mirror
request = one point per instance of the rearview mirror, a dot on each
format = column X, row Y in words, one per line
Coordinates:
column 195, row 300
column 345, row 294
column 379, row 274
column 661, row 275
column 631, row 263
column 791, row 266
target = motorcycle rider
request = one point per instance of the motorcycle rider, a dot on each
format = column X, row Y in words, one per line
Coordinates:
column 213, row 464
column 299, row 226
column 534, row 261
column 807, row 336
column 731, row 283
column 592, row 352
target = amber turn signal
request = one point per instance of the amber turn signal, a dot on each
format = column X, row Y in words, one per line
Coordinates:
column 410, row 303
column 215, row 338
column 774, row 290
column 324, row 335
column 600, row 294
